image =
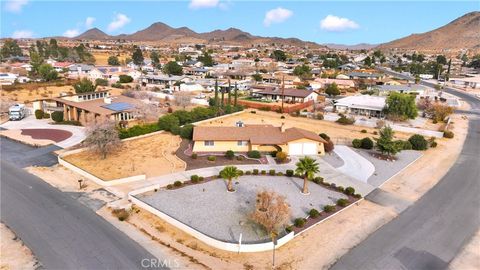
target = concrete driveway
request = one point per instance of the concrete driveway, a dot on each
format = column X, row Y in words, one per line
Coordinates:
column 30, row 122
column 354, row 164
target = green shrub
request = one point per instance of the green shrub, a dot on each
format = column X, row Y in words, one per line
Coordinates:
column 366, row 143
column 289, row 173
column 281, row 156
column 255, row 171
column 289, row 229
column 375, row 133
column 342, row 202
column 299, row 222
column 324, row 136
column 229, row 154
column 253, row 154
column 177, row 184
column 125, row 78
column 169, row 186
column 240, row 172
column 406, row 145
column 349, row 191
column 343, row 120
column 418, row 142
column 319, row 116
column 212, row 158
column 263, row 172
column 167, row 122
column 448, row 134
column 194, row 178
column 117, row 85
column 357, row 195
column 248, row 172
column 433, row 144
column 282, row 117
column 57, row 116
column 318, row 180
column 363, row 131
column 186, row 132
column 138, row 130
column 356, row 143
column 38, row 114
column 340, row 189
column 175, row 130
column 313, row 213
column 271, row 172
column 200, row 178
column 279, row 174
column 46, row 115
column 194, row 156
column 329, row 208
column 240, row 158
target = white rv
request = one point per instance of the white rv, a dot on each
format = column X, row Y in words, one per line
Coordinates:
column 17, row 112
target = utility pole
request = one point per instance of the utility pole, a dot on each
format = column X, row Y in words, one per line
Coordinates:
column 229, row 99
column 236, row 95
column 283, row 90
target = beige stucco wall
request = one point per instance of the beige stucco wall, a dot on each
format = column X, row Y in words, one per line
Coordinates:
column 219, row 146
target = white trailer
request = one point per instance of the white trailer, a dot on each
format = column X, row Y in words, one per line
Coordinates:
column 17, row 112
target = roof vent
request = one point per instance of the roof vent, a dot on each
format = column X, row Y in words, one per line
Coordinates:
column 239, row 124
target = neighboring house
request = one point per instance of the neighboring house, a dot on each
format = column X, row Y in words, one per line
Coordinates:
column 7, row 78
column 385, row 90
column 191, row 87
column 20, row 65
column 61, row 66
column 164, row 80
column 112, row 74
column 78, row 71
column 365, row 75
column 290, row 94
column 361, row 105
column 263, row 138
column 322, row 83
column 473, row 82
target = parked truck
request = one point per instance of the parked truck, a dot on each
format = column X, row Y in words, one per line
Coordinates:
column 17, row 112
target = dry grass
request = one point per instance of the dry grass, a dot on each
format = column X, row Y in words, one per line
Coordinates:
column 152, row 156
column 102, row 58
column 25, row 95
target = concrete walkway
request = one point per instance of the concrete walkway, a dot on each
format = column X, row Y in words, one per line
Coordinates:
column 78, row 133
column 354, row 165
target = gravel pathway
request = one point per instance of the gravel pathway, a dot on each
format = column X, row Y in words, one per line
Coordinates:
column 211, row 210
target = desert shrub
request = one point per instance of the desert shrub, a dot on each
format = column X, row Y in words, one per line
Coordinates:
column 289, row 229
column 194, row 156
column 177, row 184
column 375, row 133
column 324, row 136
column 125, row 79
column 329, row 208
column 406, row 145
column 255, row 171
column 186, row 132
column 46, row 115
column 240, row 158
column 313, row 213
column 289, row 173
column 169, row 186
column 194, row 178
column 319, row 116
column 282, row 117
column 138, row 130
column 342, row 202
column 212, row 158
column 240, row 172
column 57, row 116
column 167, row 122
column 200, row 178
column 433, row 144
column 121, row 214
column 229, row 154
column 281, row 156
column 253, row 154
column 349, row 191
column 253, row 111
column 418, row 142
column 356, row 143
column 448, row 134
column 248, row 172
column 343, row 120
column 38, row 114
column 271, row 172
column 279, row 173
column 366, row 143
column 340, row 189
column 363, row 131
column 263, row 172
column 318, row 180
column 299, row 222
column 175, row 130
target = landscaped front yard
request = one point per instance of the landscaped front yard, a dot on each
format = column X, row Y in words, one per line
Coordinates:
column 210, row 209
column 153, row 155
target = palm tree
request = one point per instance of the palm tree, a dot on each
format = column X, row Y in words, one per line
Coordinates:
column 229, row 173
column 307, row 167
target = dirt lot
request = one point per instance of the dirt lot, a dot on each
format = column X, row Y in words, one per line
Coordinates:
column 14, row 254
column 153, row 155
column 338, row 133
column 102, row 58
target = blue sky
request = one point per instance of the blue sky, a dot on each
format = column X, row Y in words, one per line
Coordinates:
column 345, row 22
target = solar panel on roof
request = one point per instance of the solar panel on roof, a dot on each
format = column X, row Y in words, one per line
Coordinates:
column 119, row 106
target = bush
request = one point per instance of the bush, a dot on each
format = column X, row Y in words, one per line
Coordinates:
column 406, row 145
column 433, row 144
column 448, row 134
column 138, row 130
column 282, row 117
column 46, row 115
column 200, row 178
column 279, row 173
column 375, row 133
column 175, row 130
column 329, row 146
column 186, row 132
column 240, row 172
column 229, row 154
column 349, row 191
column 121, row 214
column 418, row 142
column 212, row 158
column 343, row 120
column 253, row 111
column 194, row 156
column 248, row 172
column 289, row 229
column 356, row 143
column 194, row 178
column 271, row 172
column 281, row 156
column 125, row 79
column 263, row 172
column 117, row 85
column 255, row 171
column 38, row 114
column 299, row 222
column 358, row 196
column 363, row 131
column 167, row 122
column 324, row 136
column 253, row 154
column 289, row 173
column 342, row 202
column 169, row 186
column 319, row 116
column 366, row 143
column 57, row 116
column 341, row 189
column 177, row 184
column 240, row 158
column 329, row 208
column 313, row 213
column 318, row 180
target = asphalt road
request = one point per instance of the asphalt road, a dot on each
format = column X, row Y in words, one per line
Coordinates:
column 61, row 232
column 431, row 232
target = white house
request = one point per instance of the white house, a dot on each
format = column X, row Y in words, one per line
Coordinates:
column 7, row 78
column 361, row 105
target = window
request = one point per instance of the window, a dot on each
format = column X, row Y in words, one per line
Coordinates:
column 242, row 143
column 209, row 143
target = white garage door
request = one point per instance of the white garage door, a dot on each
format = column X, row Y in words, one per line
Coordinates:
column 296, row 149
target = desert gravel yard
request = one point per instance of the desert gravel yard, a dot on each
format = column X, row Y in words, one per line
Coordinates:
column 210, row 209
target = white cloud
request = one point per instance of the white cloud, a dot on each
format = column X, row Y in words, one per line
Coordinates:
column 118, row 22
column 89, row 22
column 22, row 34
column 71, row 33
column 15, row 5
column 336, row 24
column 196, row 4
column 277, row 15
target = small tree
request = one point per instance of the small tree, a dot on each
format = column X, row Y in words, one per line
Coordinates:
column 182, row 99
column 228, row 173
column 137, row 57
column 385, row 143
column 172, row 68
column 113, row 61
column 439, row 111
column 332, row 90
column 168, row 122
column 307, row 167
column 84, row 86
column 102, row 137
column 125, row 78
column 47, row 73
column 401, row 106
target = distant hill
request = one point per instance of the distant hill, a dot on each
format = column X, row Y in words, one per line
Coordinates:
column 462, row 33
column 162, row 32
column 360, row 46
